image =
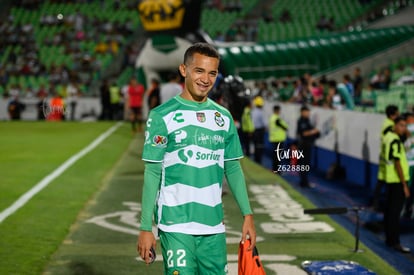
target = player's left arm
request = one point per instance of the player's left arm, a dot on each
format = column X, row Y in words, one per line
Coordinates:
column 235, row 178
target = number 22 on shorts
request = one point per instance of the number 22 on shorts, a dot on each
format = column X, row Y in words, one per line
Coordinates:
column 180, row 257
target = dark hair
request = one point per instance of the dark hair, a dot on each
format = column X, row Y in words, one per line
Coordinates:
column 173, row 75
column 201, row 48
column 276, row 108
column 304, row 108
column 399, row 118
column 391, row 110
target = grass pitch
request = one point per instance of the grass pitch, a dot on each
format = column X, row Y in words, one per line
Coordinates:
column 30, row 151
column 72, row 228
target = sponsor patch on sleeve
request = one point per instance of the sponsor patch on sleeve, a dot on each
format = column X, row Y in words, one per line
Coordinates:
column 159, row 141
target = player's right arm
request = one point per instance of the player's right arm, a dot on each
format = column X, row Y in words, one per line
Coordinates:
column 152, row 178
column 153, row 154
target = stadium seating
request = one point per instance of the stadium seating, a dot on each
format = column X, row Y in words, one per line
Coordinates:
column 314, row 54
column 305, row 15
column 215, row 21
column 50, row 53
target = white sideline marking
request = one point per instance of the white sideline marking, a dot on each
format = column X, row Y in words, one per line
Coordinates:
column 57, row 172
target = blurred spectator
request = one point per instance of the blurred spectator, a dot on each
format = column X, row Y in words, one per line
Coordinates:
column 247, row 128
column 300, row 91
column 382, row 79
column 115, row 101
column 4, row 77
column 329, row 100
column 101, row 47
column 358, row 83
column 386, row 79
column 72, row 97
column 15, row 108
column 368, row 96
column 322, row 22
column 153, row 94
column 307, row 134
column 171, row 88
column 105, row 101
column 349, row 85
column 316, row 89
column 14, row 90
column 135, row 97
column 277, row 136
column 220, row 37
column 56, row 108
column 261, row 89
column 259, row 128
column 41, row 104
column 325, row 24
column 285, row 16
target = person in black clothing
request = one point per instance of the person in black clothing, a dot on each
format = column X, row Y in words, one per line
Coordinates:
column 153, row 94
column 307, row 134
column 105, row 96
column 15, row 108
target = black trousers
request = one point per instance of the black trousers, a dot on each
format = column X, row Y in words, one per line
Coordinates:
column 246, row 140
column 306, row 148
column 258, row 141
column 394, row 203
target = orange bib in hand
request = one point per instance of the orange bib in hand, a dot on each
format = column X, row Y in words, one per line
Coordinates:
column 249, row 261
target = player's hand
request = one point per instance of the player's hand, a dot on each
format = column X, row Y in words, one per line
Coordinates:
column 146, row 240
column 249, row 229
column 406, row 191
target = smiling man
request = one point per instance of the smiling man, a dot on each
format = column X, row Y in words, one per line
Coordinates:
column 190, row 143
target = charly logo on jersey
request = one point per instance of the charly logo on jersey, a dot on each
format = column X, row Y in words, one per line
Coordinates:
column 186, row 155
column 178, row 117
column 218, row 119
column 201, row 117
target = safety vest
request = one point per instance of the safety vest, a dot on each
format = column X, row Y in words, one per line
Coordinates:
column 276, row 133
column 249, row 262
column 247, row 121
column 114, row 93
column 393, row 148
column 387, row 126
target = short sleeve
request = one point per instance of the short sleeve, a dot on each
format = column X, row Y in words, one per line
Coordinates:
column 156, row 138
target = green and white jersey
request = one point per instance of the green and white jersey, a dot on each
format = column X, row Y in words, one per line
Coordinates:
column 192, row 140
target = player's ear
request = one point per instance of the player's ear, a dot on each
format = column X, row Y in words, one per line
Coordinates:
column 182, row 70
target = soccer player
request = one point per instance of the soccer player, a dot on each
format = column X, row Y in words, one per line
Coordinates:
column 190, row 143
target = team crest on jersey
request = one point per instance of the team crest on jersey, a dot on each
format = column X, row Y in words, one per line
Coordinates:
column 159, row 141
column 219, row 119
column 176, row 272
column 201, row 117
